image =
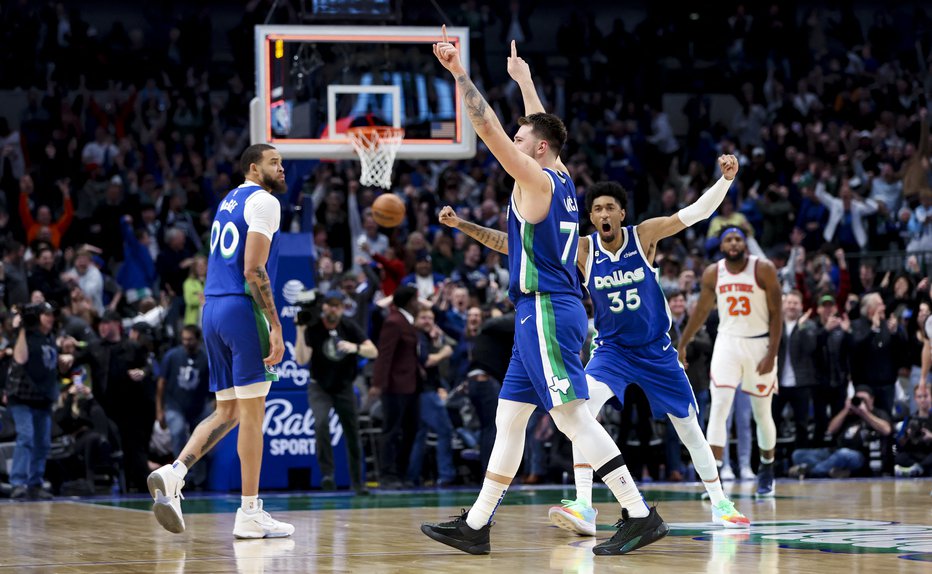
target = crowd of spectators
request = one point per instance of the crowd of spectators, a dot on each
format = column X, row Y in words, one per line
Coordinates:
column 110, row 174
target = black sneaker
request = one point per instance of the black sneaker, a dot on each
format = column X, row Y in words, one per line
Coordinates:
column 765, row 480
column 39, row 493
column 459, row 535
column 633, row 533
column 19, row 493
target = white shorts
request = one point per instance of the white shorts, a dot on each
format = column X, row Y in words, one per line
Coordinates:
column 253, row 391
column 734, row 365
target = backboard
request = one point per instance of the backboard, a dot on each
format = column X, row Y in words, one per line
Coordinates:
column 314, row 82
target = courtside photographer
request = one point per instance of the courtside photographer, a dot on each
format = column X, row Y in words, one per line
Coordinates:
column 31, row 390
column 334, row 346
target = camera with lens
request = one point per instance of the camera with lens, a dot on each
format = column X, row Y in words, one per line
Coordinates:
column 30, row 314
column 856, row 401
column 308, row 303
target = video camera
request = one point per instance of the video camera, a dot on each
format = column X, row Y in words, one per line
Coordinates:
column 309, row 302
column 30, row 314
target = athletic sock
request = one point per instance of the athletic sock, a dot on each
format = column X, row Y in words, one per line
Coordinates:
column 249, row 503
column 583, row 477
column 180, row 469
column 766, row 460
column 714, row 488
column 627, row 493
column 484, row 508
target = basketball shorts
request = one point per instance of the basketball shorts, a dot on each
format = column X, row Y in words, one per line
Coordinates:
column 236, row 336
column 734, row 365
column 545, row 368
column 654, row 367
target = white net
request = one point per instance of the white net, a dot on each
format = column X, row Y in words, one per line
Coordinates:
column 376, row 147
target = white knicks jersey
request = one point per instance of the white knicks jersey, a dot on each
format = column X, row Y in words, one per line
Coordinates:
column 742, row 302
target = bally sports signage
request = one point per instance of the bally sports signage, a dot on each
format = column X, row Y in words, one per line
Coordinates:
column 290, row 445
column 291, row 432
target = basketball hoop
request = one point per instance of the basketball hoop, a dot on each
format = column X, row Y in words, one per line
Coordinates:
column 376, row 147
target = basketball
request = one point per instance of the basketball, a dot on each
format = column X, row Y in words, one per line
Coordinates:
column 388, row 210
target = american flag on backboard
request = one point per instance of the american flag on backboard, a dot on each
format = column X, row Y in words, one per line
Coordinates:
column 445, row 130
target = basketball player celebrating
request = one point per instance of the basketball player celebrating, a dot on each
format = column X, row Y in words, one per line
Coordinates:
column 748, row 295
column 545, row 367
column 631, row 322
column 243, row 336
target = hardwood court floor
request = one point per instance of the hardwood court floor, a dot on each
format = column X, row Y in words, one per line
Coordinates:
column 874, row 527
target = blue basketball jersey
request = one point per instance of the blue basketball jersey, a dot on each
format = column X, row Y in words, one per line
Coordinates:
column 228, row 246
column 628, row 303
column 542, row 256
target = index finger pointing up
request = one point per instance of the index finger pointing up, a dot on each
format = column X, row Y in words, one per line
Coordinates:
column 443, row 29
column 514, row 50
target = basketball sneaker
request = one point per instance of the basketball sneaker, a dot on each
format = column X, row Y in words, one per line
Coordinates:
column 259, row 524
column 908, row 471
column 725, row 514
column 459, row 535
column 633, row 533
column 165, row 488
column 575, row 516
column 765, row 480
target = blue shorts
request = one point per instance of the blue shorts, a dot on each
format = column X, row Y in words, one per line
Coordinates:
column 545, row 367
column 236, row 336
column 654, row 367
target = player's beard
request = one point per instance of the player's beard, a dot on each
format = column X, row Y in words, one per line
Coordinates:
column 738, row 257
column 273, row 184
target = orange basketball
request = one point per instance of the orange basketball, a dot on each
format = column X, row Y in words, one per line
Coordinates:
column 388, row 210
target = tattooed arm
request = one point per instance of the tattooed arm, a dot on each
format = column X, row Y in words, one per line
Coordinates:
column 491, row 238
column 260, row 288
column 527, row 172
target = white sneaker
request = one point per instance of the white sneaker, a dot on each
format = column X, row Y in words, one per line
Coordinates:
column 259, row 524
column 165, row 488
column 747, row 473
column 725, row 473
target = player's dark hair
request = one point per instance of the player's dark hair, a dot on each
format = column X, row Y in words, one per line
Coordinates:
column 547, row 127
column 252, row 154
column 796, row 293
column 606, row 188
column 403, row 296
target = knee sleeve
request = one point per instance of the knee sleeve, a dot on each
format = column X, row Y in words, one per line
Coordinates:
column 763, row 416
column 599, row 394
column 510, row 424
column 722, row 397
column 699, row 451
column 577, row 423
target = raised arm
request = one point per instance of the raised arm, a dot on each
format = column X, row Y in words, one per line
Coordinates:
column 653, row 230
column 701, row 312
column 525, row 171
column 491, row 238
column 520, row 72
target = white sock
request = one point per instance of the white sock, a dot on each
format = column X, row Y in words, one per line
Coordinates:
column 764, row 460
column 714, row 489
column 489, row 498
column 180, row 469
column 250, row 503
column 627, row 493
column 583, row 477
